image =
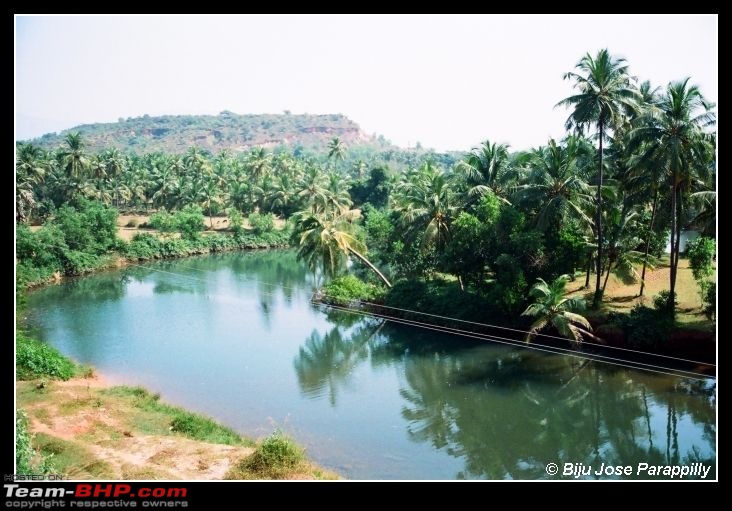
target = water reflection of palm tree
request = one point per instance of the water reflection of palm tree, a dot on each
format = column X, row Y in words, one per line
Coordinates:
column 328, row 361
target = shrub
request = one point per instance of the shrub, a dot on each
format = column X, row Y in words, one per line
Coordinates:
column 275, row 457
column 131, row 223
column 236, row 220
column 349, row 288
column 262, row 223
column 162, row 221
column 643, row 326
column 710, row 300
column 34, row 359
column 90, row 227
column 661, row 301
column 190, row 222
column 701, row 253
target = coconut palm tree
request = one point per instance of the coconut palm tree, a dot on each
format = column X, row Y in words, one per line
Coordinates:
column 336, row 150
column 487, row 167
column 73, row 158
column 672, row 137
column 427, row 203
column 325, row 242
column 552, row 307
column 605, row 95
column 556, row 182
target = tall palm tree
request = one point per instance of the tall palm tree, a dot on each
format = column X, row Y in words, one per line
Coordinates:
column 326, row 242
column 643, row 178
column 605, row 95
column 336, row 150
column 552, row 307
column 673, row 138
column 487, row 167
column 73, row 157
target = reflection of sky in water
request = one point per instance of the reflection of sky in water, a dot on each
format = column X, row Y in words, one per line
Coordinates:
column 366, row 400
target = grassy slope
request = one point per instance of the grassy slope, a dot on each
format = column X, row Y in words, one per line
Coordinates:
column 84, row 429
column 623, row 297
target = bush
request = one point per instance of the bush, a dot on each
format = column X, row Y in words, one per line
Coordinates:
column 262, row 223
column 236, row 220
column 701, row 253
column 190, row 222
column 90, row 227
column 661, row 302
column 348, row 288
column 276, row 457
column 710, row 300
column 162, row 221
column 644, row 327
column 131, row 223
column 34, row 359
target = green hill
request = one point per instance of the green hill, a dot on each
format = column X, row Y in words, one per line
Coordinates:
column 176, row 133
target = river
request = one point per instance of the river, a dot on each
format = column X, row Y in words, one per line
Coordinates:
column 235, row 336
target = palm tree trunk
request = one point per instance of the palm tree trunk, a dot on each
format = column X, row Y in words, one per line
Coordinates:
column 368, row 263
column 607, row 276
column 672, row 272
column 589, row 269
column 648, row 242
column 598, row 291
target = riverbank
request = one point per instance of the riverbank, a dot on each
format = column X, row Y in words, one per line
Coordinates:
column 85, row 428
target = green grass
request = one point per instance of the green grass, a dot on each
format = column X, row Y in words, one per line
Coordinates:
column 178, row 420
column 277, row 457
column 72, row 458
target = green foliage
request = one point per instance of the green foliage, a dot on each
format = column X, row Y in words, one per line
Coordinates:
column 445, row 299
column 35, row 359
column 552, row 308
column 236, row 221
column 569, row 251
column 276, row 457
column 71, row 244
column 469, row 249
column 89, row 227
column 162, row 221
column 146, row 246
column 262, row 223
column 701, row 253
column 378, row 228
column 348, row 288
column 23, row 449
column 710, row 300
column 27, row 461
column 373, row 191
column 644, row 327
column 662, row 301
column 190, row 222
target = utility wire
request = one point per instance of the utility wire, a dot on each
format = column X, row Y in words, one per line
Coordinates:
column 487, row 325
column 475, row 335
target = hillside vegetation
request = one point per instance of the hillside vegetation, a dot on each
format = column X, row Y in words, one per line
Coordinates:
column 237, row 133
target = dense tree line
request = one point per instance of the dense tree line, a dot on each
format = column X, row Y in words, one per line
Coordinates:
column 636, row 167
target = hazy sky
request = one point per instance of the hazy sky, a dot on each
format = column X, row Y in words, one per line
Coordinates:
column 448, row 82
